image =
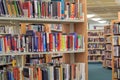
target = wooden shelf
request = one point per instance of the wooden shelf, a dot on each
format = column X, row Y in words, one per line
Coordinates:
column 100, row 30
column 96, row 42
column 95, row 37
column 95, row 60
column 3, row 64
column 38, row 20
column 95, row 54
column 95, row 48
column 108, row 42
column 116, row 34
column 30, row 53
column 108, row 34
column 108, row 50
column 108, row 58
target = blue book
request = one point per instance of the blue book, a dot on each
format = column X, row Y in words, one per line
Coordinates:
column 35, row 43
column 12, row 78
column 44, row 42
column 62, row 8
column 55, row 41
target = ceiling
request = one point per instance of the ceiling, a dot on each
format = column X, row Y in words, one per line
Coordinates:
column 105, row 9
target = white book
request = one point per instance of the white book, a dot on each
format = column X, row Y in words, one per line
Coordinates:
column 35, row 8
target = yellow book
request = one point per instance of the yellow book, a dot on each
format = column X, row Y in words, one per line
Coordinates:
column 61, row 72
column 9, row 7
column 13, row 8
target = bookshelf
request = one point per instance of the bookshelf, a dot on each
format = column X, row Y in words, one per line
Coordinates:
column 70, row 24
column 115, row 56
column 107, row 63
column 95, row 45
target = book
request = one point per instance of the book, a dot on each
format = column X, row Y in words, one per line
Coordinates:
column 42, row 9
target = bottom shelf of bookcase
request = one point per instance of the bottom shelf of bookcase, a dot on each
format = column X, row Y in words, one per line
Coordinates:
column 95, row 60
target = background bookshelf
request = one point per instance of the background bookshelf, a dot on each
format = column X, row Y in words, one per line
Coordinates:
column 72, row 20
column 95, row 45
column 108, row 47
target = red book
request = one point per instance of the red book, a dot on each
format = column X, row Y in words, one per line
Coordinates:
column 5, row 43
column 71, row 42
column 59, row 41
column 16, row 73
column 51, row 42
column 15, row 43
column 39, row 74
column 72, row 71
column 67, row 37
column 27, row 8
column 58, row 9
column 43, row 9
column 77, row 44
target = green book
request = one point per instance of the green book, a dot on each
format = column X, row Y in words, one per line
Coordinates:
column 39, row 9
column 16, row 9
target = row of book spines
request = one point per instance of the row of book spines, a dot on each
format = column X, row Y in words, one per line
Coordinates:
column 116, row 50
column 116, row 40
column 5, row 59
column 46, row 42
column 116, row 29
column 61, row 72
column 36, row 8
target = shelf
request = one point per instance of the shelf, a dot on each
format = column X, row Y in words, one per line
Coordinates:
column 116, row 45
column 96, row 42
column 109, row 66
column 3, row 64
column 95, row 48
column 30, row 53
column 95, row 54
column 116, row 34
column 95, row 37
column 117, row 56
column 100, row 30
column 108, row 34
column 108, row 50
column 108, row 58
column 38, row 20
column 95, row 60
column 108, row 42
column 4, row 33
column 57, row 57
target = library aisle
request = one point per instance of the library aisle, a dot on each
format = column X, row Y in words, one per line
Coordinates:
column 97, row 72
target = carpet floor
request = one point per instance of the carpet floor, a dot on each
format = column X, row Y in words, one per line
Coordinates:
column 97, row 72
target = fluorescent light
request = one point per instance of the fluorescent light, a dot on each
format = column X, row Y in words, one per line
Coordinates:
column 96, row 19
column 102, row 21
column 90, row 15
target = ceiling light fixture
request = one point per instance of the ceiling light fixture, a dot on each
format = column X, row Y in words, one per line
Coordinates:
column 90, row 15
column 102, row 21
column 96, row 19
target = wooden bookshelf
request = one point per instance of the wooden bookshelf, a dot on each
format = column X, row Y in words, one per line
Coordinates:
column 108, row 44
column 115, row 55
column 95, row 35
column 78, row 25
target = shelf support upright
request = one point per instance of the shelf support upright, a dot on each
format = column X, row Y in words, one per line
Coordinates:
column 19, row 58
column 72, row 60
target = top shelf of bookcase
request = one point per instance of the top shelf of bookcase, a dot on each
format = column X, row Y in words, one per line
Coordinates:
column 31, row 53
column 38, row 20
